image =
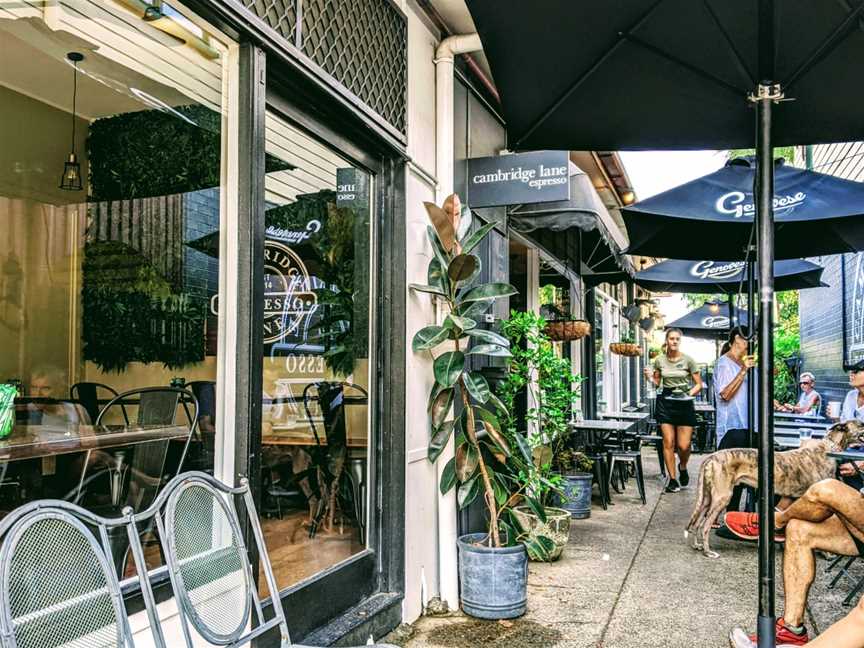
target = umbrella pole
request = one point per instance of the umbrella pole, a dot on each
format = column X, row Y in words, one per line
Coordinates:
column 767, row 94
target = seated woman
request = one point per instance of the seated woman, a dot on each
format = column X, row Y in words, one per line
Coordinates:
column 853, row 404
column 809, row 402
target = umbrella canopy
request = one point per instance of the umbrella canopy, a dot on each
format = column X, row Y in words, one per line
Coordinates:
column 678, row 74
column 709, row 322
column 724, row 276
column 671, row 74
column 815, row 214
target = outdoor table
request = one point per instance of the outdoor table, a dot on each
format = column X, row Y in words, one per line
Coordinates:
column 625, row 416
column 848, row 455
column 797, row 425
column 792, row 416
column 703, row 408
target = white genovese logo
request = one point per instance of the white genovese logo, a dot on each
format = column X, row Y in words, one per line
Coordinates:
column 715, row 321
column 733, row 203
column 707, row 269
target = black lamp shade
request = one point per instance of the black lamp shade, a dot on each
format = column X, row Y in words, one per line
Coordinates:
column 71, row 180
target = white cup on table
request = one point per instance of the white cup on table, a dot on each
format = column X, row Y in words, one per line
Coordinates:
column 805, row 433
column 833, row 409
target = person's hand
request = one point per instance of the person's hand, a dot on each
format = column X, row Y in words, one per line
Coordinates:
column 749, row 361
column 848, row 470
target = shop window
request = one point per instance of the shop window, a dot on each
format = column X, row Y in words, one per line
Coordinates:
column 315, row 430
column 111, row 195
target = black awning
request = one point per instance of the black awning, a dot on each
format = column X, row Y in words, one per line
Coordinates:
column 710, row 321
column 577, row 231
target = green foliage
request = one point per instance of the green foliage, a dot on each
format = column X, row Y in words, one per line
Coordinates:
column 131, row 314
column 627, row 337
column 535, row 368
column 487, row 462
column 785, row 152
column 157, row 153
column 787, row 342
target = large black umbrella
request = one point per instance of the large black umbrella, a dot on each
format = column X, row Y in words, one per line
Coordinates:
column 814, row 213
column 709, row 322
column 728, row 277
column 681, row 74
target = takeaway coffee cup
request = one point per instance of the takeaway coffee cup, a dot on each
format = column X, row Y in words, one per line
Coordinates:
column 833, row 410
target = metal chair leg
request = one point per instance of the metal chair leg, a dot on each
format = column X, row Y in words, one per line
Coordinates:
column 640, row 479
column 843, row 572
column 847, row 602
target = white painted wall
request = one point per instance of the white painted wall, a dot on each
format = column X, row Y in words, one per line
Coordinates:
column 421, row 545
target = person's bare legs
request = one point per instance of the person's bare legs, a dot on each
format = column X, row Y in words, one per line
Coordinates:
column 668, row 432
column 848, row 632
column 822, row 500
column 684, row 439
column 799, row 562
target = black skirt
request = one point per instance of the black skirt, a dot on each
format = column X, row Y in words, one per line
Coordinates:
column 674, row 412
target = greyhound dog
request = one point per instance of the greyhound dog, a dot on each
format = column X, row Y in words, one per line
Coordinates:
column 794, row 472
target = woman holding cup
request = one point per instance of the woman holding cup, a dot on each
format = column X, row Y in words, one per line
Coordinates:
column 678, row 380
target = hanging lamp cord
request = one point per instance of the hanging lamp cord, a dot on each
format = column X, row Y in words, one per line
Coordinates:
column 74, row 98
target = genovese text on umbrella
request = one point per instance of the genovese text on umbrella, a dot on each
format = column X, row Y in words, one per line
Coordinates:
column 733, row 203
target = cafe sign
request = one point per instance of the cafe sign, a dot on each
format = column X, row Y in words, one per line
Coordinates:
column 539, row 176
column 289, row 298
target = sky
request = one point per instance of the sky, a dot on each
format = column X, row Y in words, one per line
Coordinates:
column 652, row 172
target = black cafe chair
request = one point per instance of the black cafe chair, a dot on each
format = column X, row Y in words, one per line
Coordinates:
column 135, row 481
column 88, row 394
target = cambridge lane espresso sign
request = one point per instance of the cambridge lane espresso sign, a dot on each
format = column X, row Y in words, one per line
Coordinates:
column 539, row 176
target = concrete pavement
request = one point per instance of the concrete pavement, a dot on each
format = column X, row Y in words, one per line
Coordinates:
column 628, row 580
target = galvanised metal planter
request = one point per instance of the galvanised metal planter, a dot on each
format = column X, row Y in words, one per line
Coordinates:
column 576, row 497
column 493, row 582
column 556, row 528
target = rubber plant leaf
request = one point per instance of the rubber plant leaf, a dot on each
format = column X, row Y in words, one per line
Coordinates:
column 448, row 476
column 448, row 366
column 497, row 437
column 439, row 440
column 452, row 207
column 524, row 448
column 435, row 275
column 488, row 291
column 463, row 267
column 489, row 350
column 475, row 237
column 432, row 290
column 476, row 310
column 457, row 323
column 441, row 406
column 536, row 508
column 437, row 248
column 468, row 492
column 477, row 386
column 489, row 336
column 429, row 337
column 444, row 229
column 467, row 458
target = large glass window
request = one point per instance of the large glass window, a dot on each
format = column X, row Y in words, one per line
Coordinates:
column 111, row 192
column 317, row 322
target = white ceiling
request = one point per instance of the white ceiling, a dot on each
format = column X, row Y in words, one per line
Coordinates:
column 35, row 64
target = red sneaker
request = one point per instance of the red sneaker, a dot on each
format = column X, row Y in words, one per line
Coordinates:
column 746, row 526
column 785, row 637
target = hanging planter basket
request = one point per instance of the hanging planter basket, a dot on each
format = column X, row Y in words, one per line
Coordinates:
column 567, row 330
column 625, row 349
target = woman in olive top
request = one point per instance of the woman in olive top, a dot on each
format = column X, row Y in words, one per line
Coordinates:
column 677, row 377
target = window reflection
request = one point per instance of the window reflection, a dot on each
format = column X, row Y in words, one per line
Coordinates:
column 106, row 335
column 315, row 426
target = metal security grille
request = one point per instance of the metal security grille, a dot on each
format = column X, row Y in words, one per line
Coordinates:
column 362, row 44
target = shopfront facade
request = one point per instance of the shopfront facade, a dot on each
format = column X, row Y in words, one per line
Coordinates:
column 212, row 195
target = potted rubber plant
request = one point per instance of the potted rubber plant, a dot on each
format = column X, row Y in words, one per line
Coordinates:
column 576, row 472
column 551, row 388
column 492, row 565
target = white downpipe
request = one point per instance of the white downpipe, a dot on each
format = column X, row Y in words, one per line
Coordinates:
column 448, row 580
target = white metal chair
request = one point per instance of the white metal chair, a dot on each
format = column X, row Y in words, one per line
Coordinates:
column 57, row 584
column 207, row 560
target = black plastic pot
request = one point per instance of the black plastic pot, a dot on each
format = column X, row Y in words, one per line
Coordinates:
column 493, row 582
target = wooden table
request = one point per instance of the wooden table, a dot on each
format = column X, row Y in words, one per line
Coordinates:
column 35, row 441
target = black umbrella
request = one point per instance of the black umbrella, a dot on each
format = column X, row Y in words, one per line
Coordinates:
column 709, row 322
column 680, row 74
column 815, row 214
column 728, row 277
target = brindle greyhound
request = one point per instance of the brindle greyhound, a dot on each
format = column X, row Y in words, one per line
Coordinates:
column 794, row 472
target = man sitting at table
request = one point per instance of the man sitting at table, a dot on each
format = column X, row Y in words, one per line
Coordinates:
column 829, row 517
column 809, row 401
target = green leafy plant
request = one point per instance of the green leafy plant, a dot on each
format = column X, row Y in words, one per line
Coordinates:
column 627, row 337
column 482, row 450
column 536, row 369
column 568, row 461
